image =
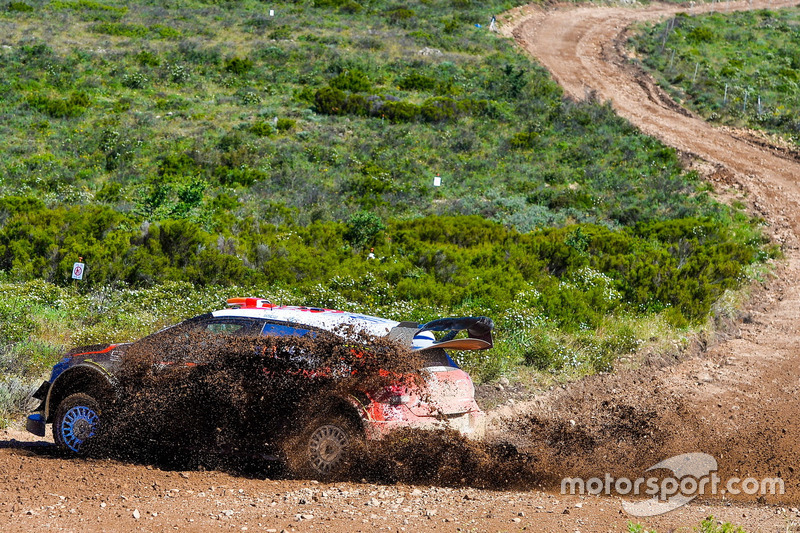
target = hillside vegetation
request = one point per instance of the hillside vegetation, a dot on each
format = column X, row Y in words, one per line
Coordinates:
column 191, row 151
column 739, row 69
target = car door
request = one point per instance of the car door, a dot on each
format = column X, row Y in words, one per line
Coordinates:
column 196, row 341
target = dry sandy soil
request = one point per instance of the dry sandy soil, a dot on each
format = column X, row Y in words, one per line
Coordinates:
column 733, row 396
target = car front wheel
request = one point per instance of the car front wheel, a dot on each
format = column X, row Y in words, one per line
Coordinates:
column 77, row 419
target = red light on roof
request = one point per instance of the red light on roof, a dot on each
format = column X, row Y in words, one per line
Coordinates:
column 250, row 303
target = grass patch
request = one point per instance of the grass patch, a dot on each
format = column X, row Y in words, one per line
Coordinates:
column 213, row 151
column 737, row 69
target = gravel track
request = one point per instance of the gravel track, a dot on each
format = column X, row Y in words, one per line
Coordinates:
column 734, row 396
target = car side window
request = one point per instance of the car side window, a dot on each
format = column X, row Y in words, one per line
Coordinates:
column 226, row 328
column 295, row 356
column 190, row 340
column 282, row 330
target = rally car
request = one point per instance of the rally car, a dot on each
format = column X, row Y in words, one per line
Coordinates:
column 84, row 384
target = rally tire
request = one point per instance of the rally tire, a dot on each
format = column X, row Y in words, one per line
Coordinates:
column 324, row 449
column 76, row 420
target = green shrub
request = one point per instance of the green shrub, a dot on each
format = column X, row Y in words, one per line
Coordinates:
column 710, row 525
column 135, row 80
column 179, row 74
column 194, row 52
column 70, row 107
column 285, row 124
column 524, row 140
column 180, row 164
column 122, row 30
column 148, row 59
column 357, row 105
column 399, row 15
column 330, row 101
column 110, row 192
column 439, row 109
column 351, row 7
column 90, row 10
column 363, row 229
column 262, row 128
column 237, row 65
column 165, row 32
column 19, row 7
column 244, row 176
column 700, row 34
column 280, row 33
column 417, row 82
column 541, row 352
column 328, row 3
column 351, row 80
column 400, row 111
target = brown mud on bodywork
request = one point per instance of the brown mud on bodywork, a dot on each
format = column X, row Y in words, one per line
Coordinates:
column 237, row 395
column 237, row 399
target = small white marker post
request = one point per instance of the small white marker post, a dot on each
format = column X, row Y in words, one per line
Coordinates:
column 437, row 181
column 78, row 269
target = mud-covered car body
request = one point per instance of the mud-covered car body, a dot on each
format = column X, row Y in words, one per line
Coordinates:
column 447, row 400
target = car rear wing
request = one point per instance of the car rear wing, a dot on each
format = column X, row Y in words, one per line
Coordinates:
column 420, row 337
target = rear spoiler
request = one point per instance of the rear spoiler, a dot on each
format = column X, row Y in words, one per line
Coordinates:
column 478, row 328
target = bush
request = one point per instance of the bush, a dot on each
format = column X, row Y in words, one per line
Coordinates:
column 351, row 80
column 363, row 229
column 262, row 128
column 135, row 31
column 19, row 7
column 285, row 124
column 399, row 15
column 244, row 176
column 700, row 35
column 70, row 107
column 278, row 34
column 237, row 65
column 417, row 82
column 400, row 111
column 328, row 3
column 164, row 32
column 136, row 80
column 524, row 140
column 351, row 7
column 148, row 59
column 439, row 109
column 330, row 101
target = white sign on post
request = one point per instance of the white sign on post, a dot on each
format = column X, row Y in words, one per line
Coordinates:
column 77, row 270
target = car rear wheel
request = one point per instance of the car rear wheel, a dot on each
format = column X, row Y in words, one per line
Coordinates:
column 77, row 419
column 324, row 449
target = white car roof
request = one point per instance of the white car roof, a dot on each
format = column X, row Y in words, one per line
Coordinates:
column 326, row 319
column 418, row 337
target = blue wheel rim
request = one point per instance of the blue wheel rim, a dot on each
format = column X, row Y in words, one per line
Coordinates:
column 78, row 424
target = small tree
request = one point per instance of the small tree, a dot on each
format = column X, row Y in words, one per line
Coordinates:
column 363, row 229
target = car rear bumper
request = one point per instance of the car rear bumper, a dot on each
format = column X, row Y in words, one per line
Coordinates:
column 470, row 424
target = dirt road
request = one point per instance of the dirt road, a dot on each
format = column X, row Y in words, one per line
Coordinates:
column 737, row 400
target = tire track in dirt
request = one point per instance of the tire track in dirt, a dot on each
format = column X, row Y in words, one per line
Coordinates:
column 738, row 400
